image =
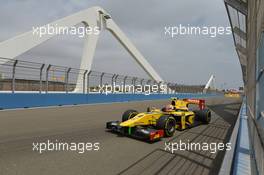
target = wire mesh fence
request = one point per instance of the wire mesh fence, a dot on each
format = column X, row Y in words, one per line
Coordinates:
column 17, row 75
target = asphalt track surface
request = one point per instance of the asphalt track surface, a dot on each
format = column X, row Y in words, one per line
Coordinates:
column 117, row 155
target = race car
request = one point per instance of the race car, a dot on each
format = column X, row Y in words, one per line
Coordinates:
column 157, row 123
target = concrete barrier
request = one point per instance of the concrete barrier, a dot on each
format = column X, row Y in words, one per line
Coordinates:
column 29, row 100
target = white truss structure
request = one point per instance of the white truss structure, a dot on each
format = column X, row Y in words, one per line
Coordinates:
column 92, row 17
column 210, row 83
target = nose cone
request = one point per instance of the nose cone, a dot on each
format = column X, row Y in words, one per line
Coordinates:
column 128, row 123
column 137, row 120
column 124, row 124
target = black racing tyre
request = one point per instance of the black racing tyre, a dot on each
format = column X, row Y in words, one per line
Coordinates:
column 167, row 123
column 129, row 114
column 203, row 115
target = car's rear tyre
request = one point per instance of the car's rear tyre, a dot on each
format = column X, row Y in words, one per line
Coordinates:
column 129, row 114
column 167, row 123
column 203, row 115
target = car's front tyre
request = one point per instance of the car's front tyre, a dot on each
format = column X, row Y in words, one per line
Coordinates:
column 167, row 123
column 129, row 114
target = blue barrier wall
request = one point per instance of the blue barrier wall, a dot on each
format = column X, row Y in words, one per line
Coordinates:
column 27, row 100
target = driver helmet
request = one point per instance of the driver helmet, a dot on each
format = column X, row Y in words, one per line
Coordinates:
column 168, row 108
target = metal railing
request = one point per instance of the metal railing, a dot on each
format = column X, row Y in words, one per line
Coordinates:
column 18, row 75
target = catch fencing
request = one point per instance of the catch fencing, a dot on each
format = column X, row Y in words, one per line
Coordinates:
column 18, row 75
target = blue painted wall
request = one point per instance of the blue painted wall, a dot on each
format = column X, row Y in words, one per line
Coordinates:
column 27, row 100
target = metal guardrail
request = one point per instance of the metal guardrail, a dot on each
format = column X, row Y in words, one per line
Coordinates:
column 17, row 75
column 241, row 164
column 226, row 167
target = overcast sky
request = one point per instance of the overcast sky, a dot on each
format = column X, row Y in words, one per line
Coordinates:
column 183, row 59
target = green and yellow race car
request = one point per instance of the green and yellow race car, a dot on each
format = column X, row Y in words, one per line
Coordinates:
column 157, row 123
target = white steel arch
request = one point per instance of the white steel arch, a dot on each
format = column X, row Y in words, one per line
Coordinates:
column 92, row 17
column 211, row 82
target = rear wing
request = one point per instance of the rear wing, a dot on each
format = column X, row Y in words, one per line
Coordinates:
column 200, row 102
